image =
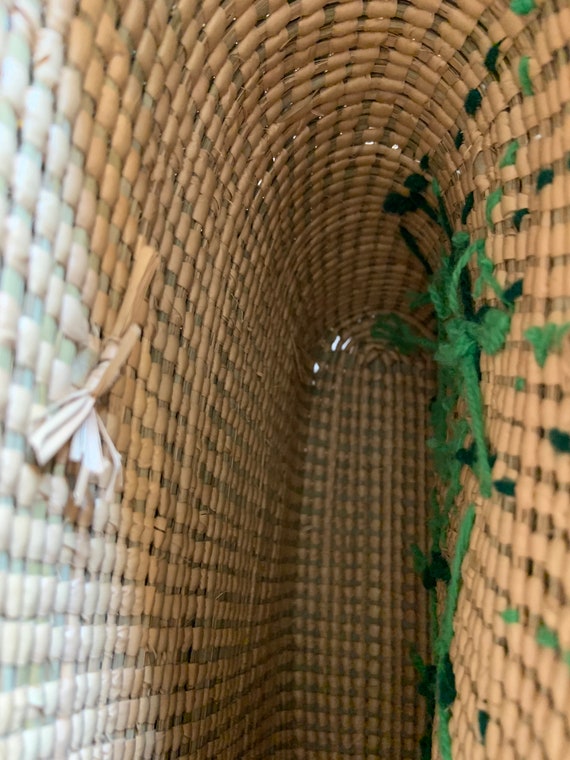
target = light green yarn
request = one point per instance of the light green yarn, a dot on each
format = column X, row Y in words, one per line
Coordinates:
column 522, row 7
column 493, row 330
column 524, row 76
column 547, row 637
column 510, row 615
column 510, row 155
column 493, row 201
column 546, row 339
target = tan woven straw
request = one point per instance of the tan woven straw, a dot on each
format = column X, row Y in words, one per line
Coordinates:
column 226, row 434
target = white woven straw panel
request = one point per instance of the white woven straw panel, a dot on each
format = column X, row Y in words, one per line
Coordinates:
column 204, row 542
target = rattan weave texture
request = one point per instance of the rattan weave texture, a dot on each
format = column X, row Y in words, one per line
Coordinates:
column 240, row 596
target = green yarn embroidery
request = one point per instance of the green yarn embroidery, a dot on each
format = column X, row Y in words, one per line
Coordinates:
column 462, row 335
column 510, row 155
column 462, row 545
column 522, row 7
column 492, row 202
column 436, row 570
column 446, row 691
column 518, row 216
column 424, row 163
column 546, row 339
column 468, row 207
column 491, row 59
column 415, row 250
column 513, row 292
column 459, row 139
column 399, row 334
column 483, row 718
column 400, row 204
column 510, row 615
column 545, row 177
column 546, row 637
column 473, row 102
column 396, row 203
column 426, row 688
column 506, row 486
column 418, row 300
column 520, row 384
column 559, row 440
column 442, row 219
column 493, row 330
column 524, row 76
column 486, row 278
column 417, row 183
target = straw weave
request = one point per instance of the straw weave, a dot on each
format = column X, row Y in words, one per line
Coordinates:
column 248, row 591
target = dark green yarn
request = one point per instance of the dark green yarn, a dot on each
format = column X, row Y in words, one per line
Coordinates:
column 446, row 691
column 417, row 300
column 425, row 746
column 483, row 718
column 545, row 177
column 426, row 689
column 505, row 486
column 424, row 163
column 522, row 7
column 518, row 216
column 473, row 102
column 467, row 456
column 425, row 207
column 559, row 440
column 442, row 218
column 426, row 682
column 396, row 203
column 414, row 248
column 491, row 59
column 440, row 567
column 437, row 570
column 459, row 139
column 468, row 207
column 417, row 183
column 513, row 292
column 520, row 383
column 399, row 334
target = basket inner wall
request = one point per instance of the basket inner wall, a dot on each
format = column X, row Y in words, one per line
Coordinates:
column 253, row 146
column 358, row 605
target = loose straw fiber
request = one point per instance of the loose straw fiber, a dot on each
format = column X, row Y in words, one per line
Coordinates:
column 214, row 561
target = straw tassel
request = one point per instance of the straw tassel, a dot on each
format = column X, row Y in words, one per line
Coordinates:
column 74, row 417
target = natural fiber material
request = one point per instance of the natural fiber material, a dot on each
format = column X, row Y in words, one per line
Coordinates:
column 295, row 169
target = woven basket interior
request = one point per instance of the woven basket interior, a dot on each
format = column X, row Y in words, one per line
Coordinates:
column 249, row 590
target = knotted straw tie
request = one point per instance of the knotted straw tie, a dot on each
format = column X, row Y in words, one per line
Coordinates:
column 74, row 417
